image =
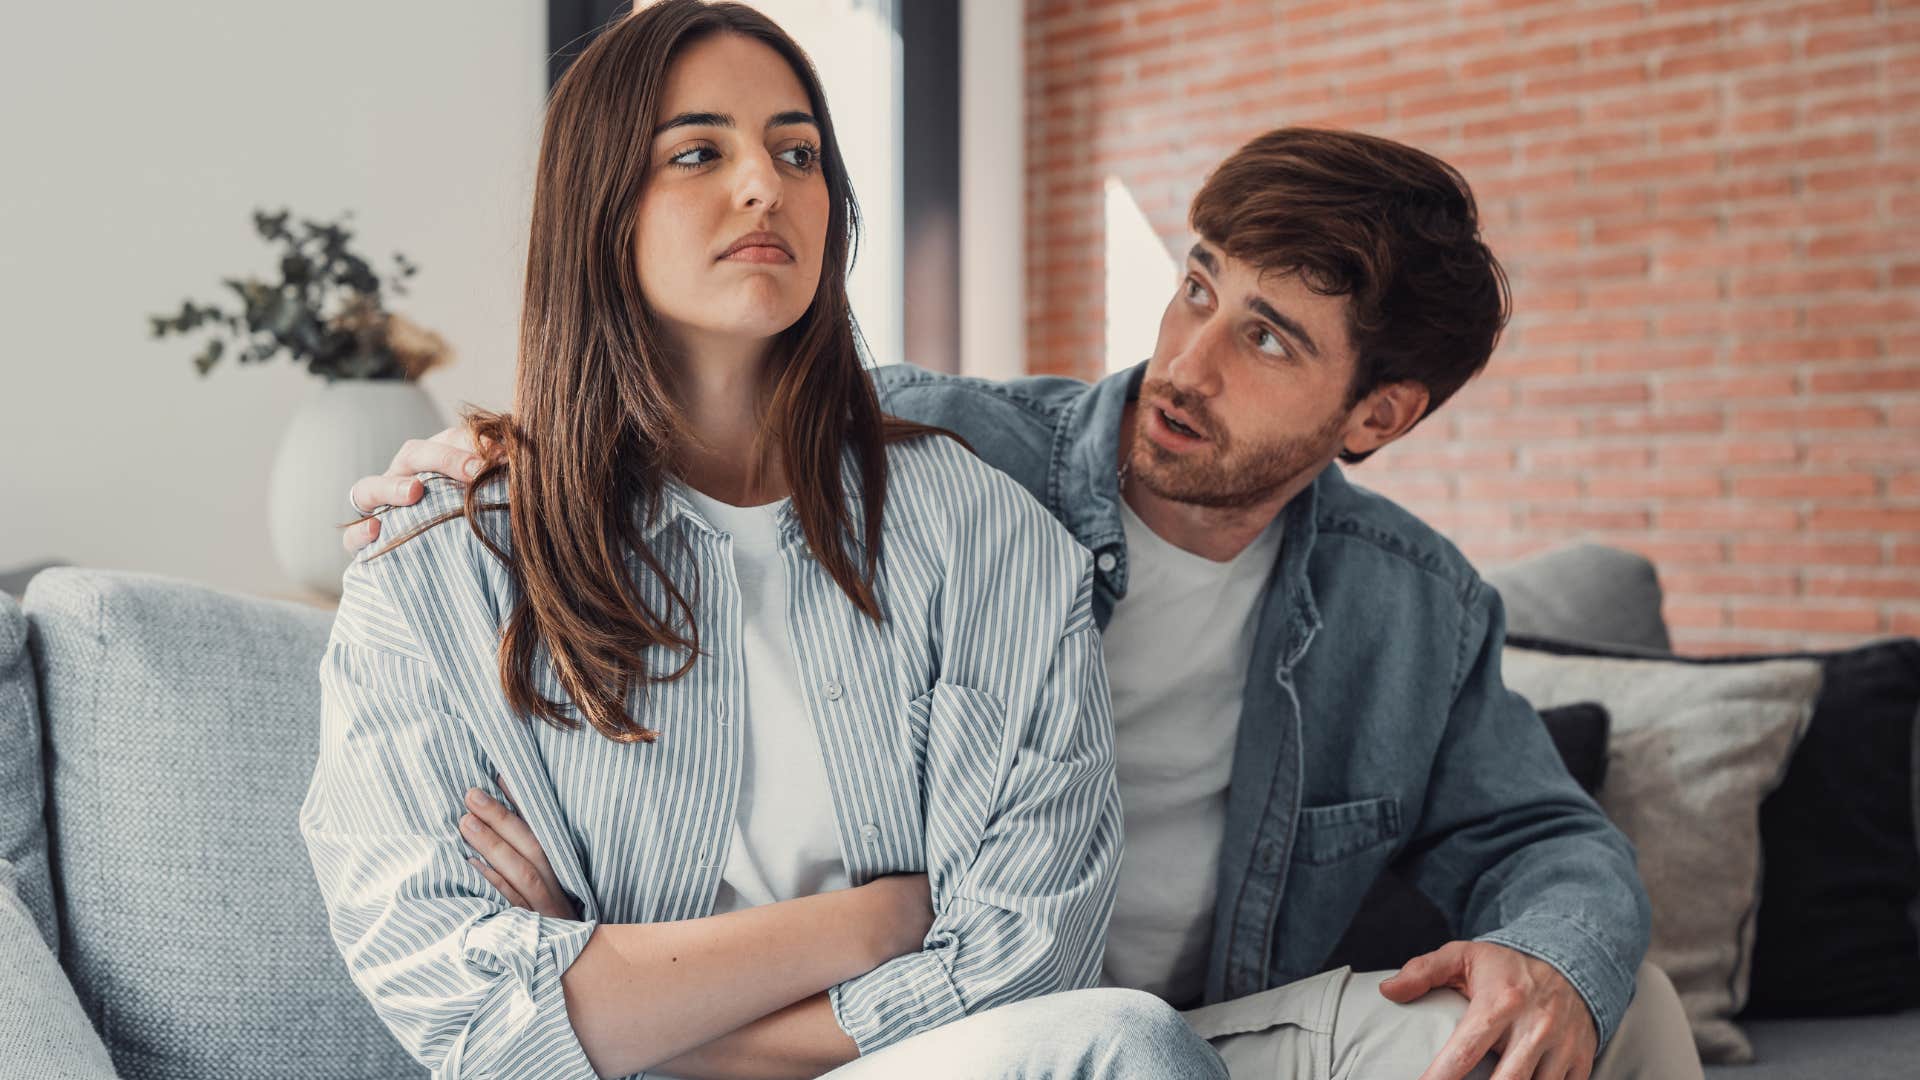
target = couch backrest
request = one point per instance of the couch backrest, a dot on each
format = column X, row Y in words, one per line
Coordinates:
column 181, row 726
column 23, row 827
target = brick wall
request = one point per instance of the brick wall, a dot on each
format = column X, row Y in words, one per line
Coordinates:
column 1710, row 211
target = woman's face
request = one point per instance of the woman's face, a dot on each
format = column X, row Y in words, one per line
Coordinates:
column 733, row 219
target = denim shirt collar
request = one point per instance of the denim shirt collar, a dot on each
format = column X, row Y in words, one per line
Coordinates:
column 1085, row 496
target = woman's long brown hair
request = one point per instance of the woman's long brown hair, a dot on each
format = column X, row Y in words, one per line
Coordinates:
column 594, row 427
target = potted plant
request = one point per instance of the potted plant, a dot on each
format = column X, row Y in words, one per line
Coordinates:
column 327, row 312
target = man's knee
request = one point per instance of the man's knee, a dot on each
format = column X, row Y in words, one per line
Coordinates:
column 1373, row 1036
column 1654, row 1039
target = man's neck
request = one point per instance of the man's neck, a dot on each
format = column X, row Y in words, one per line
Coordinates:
column 1214, row 533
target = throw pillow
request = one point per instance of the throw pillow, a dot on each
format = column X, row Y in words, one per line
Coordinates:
column 1841, row 859
column 1693, row 752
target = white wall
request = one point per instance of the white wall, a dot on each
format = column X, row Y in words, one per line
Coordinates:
column 993, row 201
column 138, row 137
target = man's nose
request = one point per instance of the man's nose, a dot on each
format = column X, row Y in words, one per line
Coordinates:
column 1195, row 368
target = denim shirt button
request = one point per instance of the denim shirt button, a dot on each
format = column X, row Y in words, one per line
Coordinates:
column 1269, row 856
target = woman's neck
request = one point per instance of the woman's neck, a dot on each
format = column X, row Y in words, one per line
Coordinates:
column 722, row 391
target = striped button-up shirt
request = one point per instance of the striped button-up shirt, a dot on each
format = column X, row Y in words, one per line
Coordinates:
column 968, row 736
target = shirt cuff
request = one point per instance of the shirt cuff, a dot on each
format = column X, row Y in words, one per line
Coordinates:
column 522, row 1028
column 1584, row 959
column 902, row 997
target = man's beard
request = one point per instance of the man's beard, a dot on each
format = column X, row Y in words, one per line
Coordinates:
column 1226, row 475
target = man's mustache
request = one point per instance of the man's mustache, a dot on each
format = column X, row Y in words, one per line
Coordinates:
column 1192, row 408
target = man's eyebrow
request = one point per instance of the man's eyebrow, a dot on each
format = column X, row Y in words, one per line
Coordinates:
column 1205, row 258
column 725, row 120
column 1265, row 310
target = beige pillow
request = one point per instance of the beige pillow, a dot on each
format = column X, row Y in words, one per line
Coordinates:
column 1694, row 749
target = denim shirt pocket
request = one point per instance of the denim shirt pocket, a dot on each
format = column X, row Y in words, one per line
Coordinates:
column 1330, row 833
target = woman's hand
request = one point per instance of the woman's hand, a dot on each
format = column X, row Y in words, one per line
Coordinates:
column 450, row 453
column 519, row 869
column 902, row 914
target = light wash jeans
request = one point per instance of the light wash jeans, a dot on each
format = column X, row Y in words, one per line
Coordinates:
column 1102, row 1034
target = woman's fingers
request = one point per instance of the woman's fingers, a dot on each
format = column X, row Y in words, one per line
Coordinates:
column 519, row 856
column 513, row 898
column 360, row 534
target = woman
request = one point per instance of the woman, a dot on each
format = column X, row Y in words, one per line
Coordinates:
column 819, row 781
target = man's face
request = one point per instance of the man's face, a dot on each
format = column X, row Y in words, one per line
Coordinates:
column 1247, row 387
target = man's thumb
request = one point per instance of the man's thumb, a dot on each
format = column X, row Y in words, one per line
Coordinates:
column 1420, row 975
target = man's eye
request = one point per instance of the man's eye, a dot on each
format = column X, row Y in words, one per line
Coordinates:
column 1194, row 291
column 1269, row 342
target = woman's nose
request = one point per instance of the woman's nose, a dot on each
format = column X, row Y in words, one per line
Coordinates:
column 758, row 184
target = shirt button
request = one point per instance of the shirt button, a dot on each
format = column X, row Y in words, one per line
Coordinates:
column 870, row 833
column 832, row 690
column 1106, row 562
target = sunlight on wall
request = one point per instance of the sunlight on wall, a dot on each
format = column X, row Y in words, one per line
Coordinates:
column 855, row 46
column 1139, row 274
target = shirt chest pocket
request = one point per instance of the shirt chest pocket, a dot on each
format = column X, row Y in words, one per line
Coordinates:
column 1330, row 833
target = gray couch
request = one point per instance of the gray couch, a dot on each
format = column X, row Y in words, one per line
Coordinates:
column 157, row 737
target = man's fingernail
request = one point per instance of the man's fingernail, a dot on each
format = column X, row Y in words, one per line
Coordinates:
column 482, row 797
column 473, row 469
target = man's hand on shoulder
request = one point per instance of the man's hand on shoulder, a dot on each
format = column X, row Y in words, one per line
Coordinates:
column 451, row 453
column 1518, row 1007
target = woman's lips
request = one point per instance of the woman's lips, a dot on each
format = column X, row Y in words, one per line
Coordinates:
column 760, row 253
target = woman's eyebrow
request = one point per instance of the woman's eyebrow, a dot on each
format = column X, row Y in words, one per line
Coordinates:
column 725, row 120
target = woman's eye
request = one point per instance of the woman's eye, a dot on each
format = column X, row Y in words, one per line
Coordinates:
column 807, row 156
column 687, row 159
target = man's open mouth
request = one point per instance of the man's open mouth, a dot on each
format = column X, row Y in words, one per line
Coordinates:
column 1179, row 427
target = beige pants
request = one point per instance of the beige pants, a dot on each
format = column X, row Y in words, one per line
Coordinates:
column 1337, row 1026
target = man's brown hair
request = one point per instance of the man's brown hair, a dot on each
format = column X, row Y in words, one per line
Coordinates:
column 1393, row 228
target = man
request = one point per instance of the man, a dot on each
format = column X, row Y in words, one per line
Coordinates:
column 1306, row 678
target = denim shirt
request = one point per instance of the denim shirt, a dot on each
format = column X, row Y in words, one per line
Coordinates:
column 1375, row 729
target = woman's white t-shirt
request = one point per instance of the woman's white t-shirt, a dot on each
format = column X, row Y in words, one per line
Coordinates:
column 784, row 841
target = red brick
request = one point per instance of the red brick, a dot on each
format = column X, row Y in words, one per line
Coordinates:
column 1730, row 519
column 1806, row 419
column 1805, row 150
column 1805, row 350
column 1586, row 331
column 1588, row 393
column 1686, row 229
column 1664, row 485
column 1841, row 620
column 1586, row 82
column 1580, row 21
column 1666, row 553
column 1806, row 553
column 1766, row 452
column 1579, row 520
column 1664, row 168
column 1531, row 59
column 1875, row 242
column 1724, row 60
column 1728, row 256
column 1725, row 191
column 1721, row 388
column 1879, row 519
column 1684, row 613
column 1621, row 359
column 1897, row 448
column 1906, row 554
column 1729, row 582
column 1803, row 485
column 1653, row 294
column 1905, row 623
column 1496, row 486
column 1546, row 458
column 1641, row 42
column 1514, row 123
column 1667, row 423
column 1876, row 587
column 1800, row 81
column 1455, row 101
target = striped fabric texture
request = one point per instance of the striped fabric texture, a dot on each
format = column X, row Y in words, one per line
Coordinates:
column 968, row 736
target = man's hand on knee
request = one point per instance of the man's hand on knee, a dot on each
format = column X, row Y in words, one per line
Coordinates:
column 1519, row 1008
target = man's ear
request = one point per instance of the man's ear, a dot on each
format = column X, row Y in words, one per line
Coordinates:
column 1383, row 416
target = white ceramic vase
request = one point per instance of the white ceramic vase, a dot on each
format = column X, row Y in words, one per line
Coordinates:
column 343, row 430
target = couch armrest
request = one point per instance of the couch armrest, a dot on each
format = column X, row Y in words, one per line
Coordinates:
column 43, row 1030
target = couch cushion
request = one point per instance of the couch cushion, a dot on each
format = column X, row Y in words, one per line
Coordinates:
column 43, row 1032
column 23, row 828
column 181, row 732
column 1585, row 592
column 1852, row 1047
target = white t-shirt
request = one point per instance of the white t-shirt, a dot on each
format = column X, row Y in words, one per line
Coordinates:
column 1176, row 714
column 784, row 836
